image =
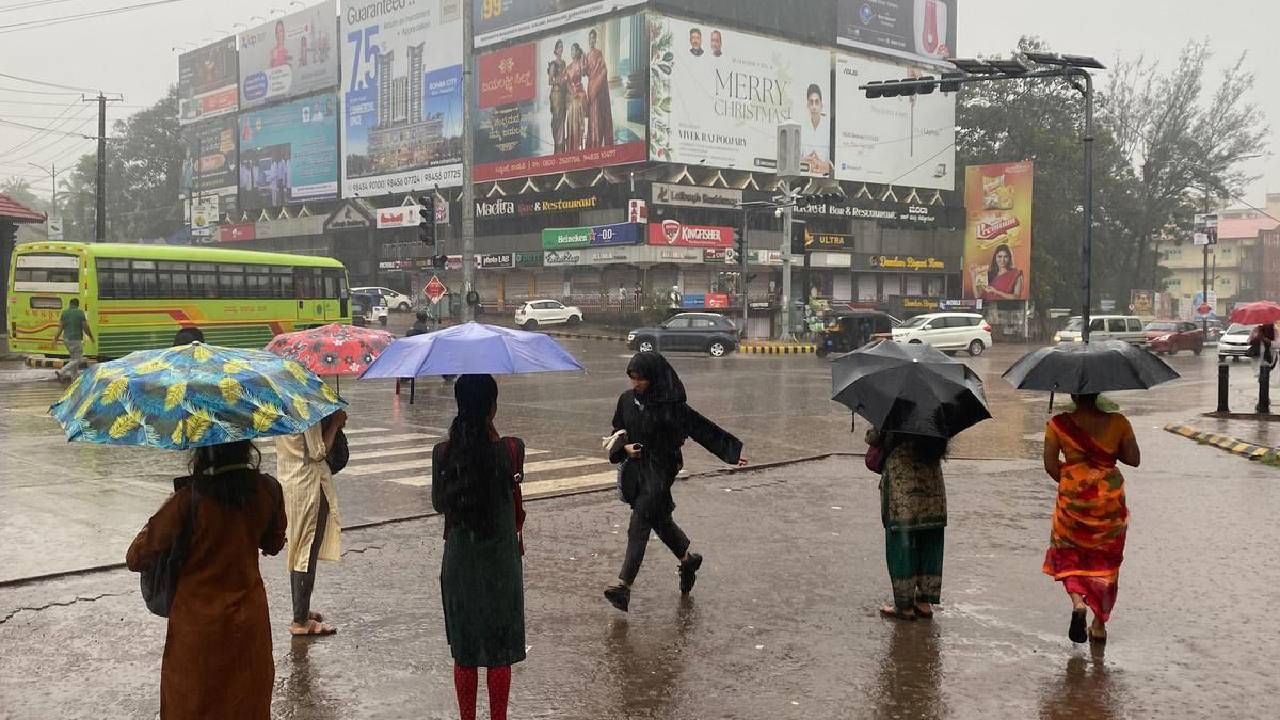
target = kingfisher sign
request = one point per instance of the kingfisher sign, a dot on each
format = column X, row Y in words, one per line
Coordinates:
column 674, row 233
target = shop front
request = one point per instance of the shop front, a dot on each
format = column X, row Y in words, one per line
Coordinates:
column 906, row 284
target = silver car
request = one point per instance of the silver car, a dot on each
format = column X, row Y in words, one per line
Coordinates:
column 1234, row 343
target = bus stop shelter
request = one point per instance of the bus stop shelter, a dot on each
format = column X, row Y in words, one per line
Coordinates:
column 12, row 214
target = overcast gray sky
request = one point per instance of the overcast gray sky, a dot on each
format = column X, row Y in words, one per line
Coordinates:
column 132, row 54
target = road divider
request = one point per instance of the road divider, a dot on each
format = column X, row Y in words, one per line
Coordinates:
column 1233, row 445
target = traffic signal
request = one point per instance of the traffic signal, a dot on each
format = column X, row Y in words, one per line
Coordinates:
column 950, row 82
column 740, row 242
column 439, row 261
column 427, row 224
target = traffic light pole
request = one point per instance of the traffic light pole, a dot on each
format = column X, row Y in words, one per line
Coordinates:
column 468, row 160
column 742, row 273
column 785, row 330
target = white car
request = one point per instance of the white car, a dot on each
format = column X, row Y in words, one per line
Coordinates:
column 395, row 300
column 536, row 313
column 947, row 331
column 1234, row 343
column 1105, row 327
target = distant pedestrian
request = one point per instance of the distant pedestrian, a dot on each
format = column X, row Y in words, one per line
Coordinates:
column 217, row 652
column 73, row 327
column 1090, row 521
column 913, row 509
column 475, row 477
column 421, row 325
column 651, row 423
column 1262, row 340
column 312, row 505
column 188, row 335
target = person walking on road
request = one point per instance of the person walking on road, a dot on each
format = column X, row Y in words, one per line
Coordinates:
column 312, row 506
column 651, row 423
column 1262, row 340
column 421, row 324
column 73, row 326
column 913, row 509
column 1090, row 520
column 217, row 653
column 475, row 478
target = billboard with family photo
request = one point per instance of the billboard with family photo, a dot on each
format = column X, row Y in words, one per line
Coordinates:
column 997, row 235
column 289, row 153
column 895, row 141
column 207, row 80
column 402, row 96
column 290, row 56
column 718, row 96
column 571, row 100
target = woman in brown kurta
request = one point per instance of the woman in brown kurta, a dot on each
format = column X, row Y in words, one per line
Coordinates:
column 217, row 651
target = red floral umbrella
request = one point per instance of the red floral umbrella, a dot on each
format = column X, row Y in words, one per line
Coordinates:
column 1256, row 313
column 332, row 349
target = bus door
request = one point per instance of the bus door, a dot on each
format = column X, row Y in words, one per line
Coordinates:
column 307, row 287
column 334, row 287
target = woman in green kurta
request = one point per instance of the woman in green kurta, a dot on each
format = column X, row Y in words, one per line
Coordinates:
column 913, row 508
column 481, row 579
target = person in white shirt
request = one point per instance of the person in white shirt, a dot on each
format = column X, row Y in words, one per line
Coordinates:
column 815, row 134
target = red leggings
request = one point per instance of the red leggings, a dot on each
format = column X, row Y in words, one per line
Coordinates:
column 466, row 681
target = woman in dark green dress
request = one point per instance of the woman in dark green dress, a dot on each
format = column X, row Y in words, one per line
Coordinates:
column 474, row 475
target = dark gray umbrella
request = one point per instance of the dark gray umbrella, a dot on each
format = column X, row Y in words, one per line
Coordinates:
column 909, row 388
column 1087, row 369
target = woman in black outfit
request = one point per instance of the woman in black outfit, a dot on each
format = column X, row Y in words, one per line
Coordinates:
column 650, row 425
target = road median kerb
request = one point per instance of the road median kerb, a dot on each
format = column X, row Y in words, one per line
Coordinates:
column 1233, row 445
column 44, row 362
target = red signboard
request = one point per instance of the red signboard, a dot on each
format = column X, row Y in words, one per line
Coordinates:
column 434, row 289
column 507, row 76
column 237, row 232
column 673, row 232
column 717, row 301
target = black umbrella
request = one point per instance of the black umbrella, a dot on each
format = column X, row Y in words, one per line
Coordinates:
column 1089, row 368
column 909, row 388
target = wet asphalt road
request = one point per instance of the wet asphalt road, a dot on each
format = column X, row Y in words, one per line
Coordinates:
column 782, row 624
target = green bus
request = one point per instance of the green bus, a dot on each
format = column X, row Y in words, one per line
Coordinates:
column 137, row 297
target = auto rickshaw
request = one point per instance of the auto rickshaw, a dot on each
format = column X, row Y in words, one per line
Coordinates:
column 849, row 331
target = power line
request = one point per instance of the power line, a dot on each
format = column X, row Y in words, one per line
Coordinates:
column 48, row 22
column 35, row 92
column 60, row 120
column 38, row 3
column 45, row 83
column 38, row 128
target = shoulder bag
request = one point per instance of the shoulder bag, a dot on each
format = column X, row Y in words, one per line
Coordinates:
column 339, row 454
column 160, row 583
column 516, row 451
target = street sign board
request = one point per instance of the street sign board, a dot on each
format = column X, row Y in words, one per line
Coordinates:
column 1205, row 309
column 434, row 290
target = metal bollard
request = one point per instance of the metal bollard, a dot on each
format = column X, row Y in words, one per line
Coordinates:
column 1264, row 389
column 1224, row 387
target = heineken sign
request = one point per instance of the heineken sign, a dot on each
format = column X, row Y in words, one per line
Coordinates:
column 561, row 238
column 581, row 237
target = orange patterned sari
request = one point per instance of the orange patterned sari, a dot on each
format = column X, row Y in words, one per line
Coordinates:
column 1090, row 519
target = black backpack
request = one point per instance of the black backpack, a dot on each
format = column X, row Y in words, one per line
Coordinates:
column 160, row 583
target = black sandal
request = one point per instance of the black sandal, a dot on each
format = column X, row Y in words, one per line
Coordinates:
column 1078, row 632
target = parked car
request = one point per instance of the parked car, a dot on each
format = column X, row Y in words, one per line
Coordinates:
column 713, row 334
column 392, row 299
column 947, row 332
column 1105, row 327
column 1234, row 343
column 368, row 308
column 536, row 313
column 1169, row 337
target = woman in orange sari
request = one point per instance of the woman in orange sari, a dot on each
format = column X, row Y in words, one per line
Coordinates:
column 1081, row 450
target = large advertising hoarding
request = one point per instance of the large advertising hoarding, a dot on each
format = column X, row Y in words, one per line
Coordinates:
column 207, row 80
column 499, row 20
column 210, row 154
column 997, row 235
column 896, row 141
column 402, row 90
column 569, row 101
column 921, row 30
column 718, row 96
column 290, row 56
column 289, row 153
column 804, row 20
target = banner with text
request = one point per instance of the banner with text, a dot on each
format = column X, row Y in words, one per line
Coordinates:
column 210, row 155
column 289, row 153
column 718, row 96
column 289, row 57
column 569, row 101
column 499, row 20
column 599, row 235
column 903, row 141
column 674, row 233
column 914, row 29
column 207, row 81
column 536, row 206
column 402, row 89
column 997, row 235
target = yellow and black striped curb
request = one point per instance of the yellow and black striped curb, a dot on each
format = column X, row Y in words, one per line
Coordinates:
column 1233, row 445
column 585, row 336
column 45, row 362
column 800, row 349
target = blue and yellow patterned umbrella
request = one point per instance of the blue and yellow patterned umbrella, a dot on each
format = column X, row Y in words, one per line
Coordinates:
column 192, row 396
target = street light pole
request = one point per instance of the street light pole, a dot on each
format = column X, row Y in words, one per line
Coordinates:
column 1086, row 252
column 468, row 157
column 786, row 267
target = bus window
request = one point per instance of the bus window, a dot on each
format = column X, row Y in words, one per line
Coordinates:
column 330, row 286
column 173, row 280
column 231, row 281
column 113, row 279
column 257, row 282
column 282, row 278
column 142, row 279
column 47, row 273
column 204, row 280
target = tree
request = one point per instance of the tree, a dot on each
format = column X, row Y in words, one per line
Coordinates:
column 20, row 190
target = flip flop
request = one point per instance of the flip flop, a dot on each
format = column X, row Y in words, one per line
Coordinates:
column 314, row 628
column 896, row 614
column 1097, row 639
column 922, row 614
column 1078, row 631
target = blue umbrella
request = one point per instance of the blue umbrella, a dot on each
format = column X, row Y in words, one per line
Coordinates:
column 471, row 349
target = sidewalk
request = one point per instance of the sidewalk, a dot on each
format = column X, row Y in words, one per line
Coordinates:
column 781, row 626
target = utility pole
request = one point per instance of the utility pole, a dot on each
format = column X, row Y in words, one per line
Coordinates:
column 468, row 159
column 100, row 185
column 786, row 266
column 742, row 272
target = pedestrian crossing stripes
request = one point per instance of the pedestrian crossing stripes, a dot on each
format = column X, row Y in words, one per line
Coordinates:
column 421, row 478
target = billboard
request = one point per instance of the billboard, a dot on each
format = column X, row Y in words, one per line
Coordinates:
column 499, row 20
column 718, row 96
column 921, row 30
column 597, row 236
column 402, row 90
column 210, row 155
column 207, row 80
column 807, row 20
column 571, row 100
column 997, row 235
column 290, row 56
column 674, row 233
column 289, row 153
column 895, row 141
